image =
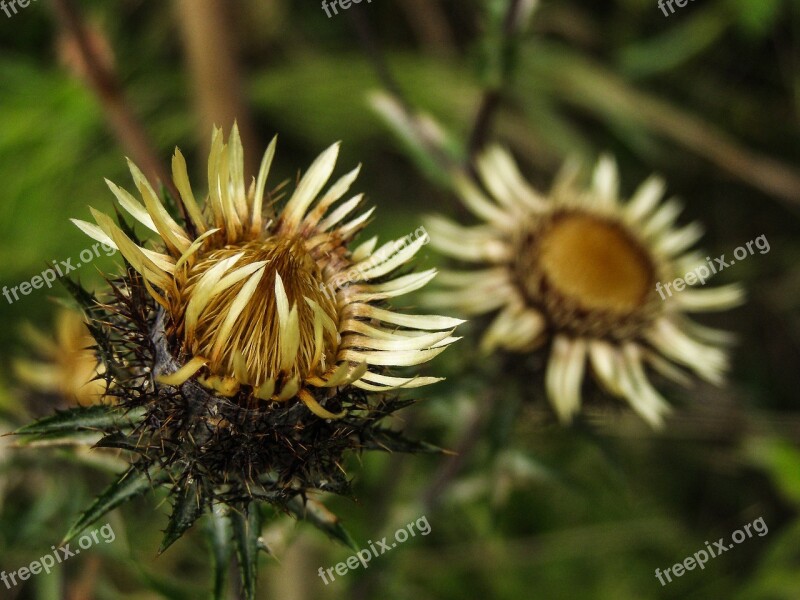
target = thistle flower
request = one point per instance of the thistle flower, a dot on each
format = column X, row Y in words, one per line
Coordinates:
column 66, row 366
column 249, row 354
column 277, row 310
column 575, row 272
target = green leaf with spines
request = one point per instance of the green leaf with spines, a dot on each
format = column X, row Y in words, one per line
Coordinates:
column 389, row 440
column 85, row 299
column 89, row 418
column 187, row 509
column 126, row 228
column 90, row 306
column 246, row 533
column 320, row 517
column 131, row 484
column 121, row 441
column 60, row 438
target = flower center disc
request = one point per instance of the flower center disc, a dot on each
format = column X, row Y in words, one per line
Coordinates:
column 596, row 263
column 588, row 275
column 260, row 344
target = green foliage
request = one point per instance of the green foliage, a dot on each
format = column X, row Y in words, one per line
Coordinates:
column 321, row 518
column 131, row 484
column 220, row 541
column 186, row 510
column 246, row 538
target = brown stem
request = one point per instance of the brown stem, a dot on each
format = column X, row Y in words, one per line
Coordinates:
column 212, row 57
column 104, row 83
column 484, row 118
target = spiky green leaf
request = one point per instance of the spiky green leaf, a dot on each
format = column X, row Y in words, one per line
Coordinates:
column 320, row 517
column 187, row 509
column 85, row 299
column 122, row 441
column 90, row 418
column 394, row 441
column 80, row 437
column 129, row 485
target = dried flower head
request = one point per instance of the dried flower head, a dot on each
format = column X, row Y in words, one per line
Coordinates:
column 248, row 353
column 279, row 310
column 578, row 270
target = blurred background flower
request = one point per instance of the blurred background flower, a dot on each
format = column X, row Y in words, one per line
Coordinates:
column 581, row 269
column 67, row 370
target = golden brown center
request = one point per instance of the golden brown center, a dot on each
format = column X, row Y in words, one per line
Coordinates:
column 596, row 263
column 589, row 276
column 241, row 324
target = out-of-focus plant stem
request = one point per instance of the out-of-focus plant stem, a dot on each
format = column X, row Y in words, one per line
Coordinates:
column 426, row 140
column 372, row 49
column 501, row 52
column 103, row 82
column 211, row 54
column 430, row 25
column 422, row 135
column 452, row 467
column 597, row 90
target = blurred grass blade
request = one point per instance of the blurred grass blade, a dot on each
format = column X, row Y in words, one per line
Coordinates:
column 167, row 587
column 677, row 45
column 599, row 91
column 781, row 461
